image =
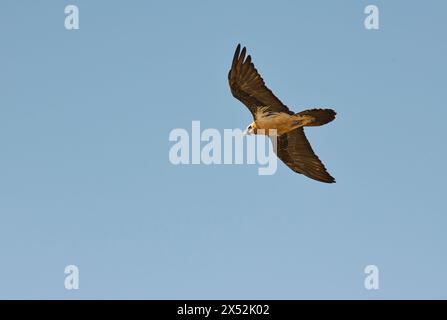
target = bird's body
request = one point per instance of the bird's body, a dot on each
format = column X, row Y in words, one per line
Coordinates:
column 269, row 114
column 280, row 121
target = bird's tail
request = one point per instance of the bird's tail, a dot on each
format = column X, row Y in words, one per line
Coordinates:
column 317, row 117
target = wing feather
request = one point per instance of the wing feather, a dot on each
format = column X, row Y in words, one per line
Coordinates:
column 247, row 85
column 295, row 151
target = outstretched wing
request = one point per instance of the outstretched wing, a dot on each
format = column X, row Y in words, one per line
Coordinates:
column 248, row 86
column 295, row 151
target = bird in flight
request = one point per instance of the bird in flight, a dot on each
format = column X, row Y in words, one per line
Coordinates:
column 269, row 113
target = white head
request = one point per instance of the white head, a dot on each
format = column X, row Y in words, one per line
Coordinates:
column 251, row 129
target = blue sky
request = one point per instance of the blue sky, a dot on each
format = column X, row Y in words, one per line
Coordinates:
column 85, row 176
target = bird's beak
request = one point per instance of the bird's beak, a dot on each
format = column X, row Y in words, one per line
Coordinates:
column 248, row 132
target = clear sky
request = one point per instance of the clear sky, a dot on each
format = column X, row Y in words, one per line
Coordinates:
column 85, row 177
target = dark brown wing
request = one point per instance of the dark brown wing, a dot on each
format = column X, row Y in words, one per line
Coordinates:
column 248, row 86
column 295, row 151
